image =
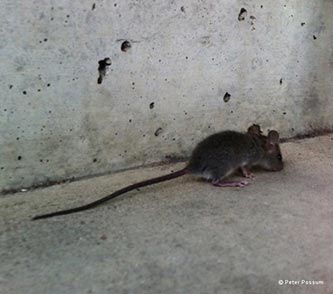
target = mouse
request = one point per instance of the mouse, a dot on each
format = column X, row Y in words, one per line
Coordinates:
column 214, row 159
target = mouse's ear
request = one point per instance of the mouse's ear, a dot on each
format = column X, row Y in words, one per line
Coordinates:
column 254, row 130
column 273, row 137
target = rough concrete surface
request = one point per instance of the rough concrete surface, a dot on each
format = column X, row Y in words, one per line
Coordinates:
column 166, row 92
column 183, row 236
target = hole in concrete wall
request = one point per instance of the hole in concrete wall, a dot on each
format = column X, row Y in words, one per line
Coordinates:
column 151, row 105
column 281, row 81
column 10, row 86
column 314, row 37
column 182, row 9
column 125, row 46
column 242, row 14
column 226, row 97
column 95, row 160
column 302, row 23
column 261, row 6
column 93, row 6
column 252, row 19
column 48, row 85
column 103, row 67
column 24, row 92
column 158, row 132
column 19, row 157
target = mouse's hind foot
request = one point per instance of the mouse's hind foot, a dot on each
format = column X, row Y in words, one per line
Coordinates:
column 219, row 183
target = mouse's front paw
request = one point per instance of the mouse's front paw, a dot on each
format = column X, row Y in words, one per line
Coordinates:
column 246, row 173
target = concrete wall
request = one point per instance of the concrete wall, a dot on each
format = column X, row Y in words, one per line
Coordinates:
column 164, row 93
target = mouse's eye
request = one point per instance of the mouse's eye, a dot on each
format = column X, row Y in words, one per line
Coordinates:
column 279, row 157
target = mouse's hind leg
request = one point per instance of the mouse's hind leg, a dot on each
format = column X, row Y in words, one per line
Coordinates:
column 221, row 183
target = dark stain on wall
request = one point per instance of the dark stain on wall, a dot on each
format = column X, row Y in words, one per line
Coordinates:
column 252, row 19
column 103, row 67
column 242, row 14
column 125, row 46
column 158, row 132
column 226, row 97
column 312, row 101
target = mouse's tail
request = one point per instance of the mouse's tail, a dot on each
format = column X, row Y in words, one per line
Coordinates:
column 149, row 182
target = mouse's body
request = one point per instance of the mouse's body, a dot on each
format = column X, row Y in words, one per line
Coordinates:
column 221, row 154
column 214, row 159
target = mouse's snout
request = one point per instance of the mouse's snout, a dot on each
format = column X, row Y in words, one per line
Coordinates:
column 272, row 163
column 278, row 167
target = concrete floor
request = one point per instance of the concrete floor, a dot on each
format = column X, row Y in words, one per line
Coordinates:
column 183, row 236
